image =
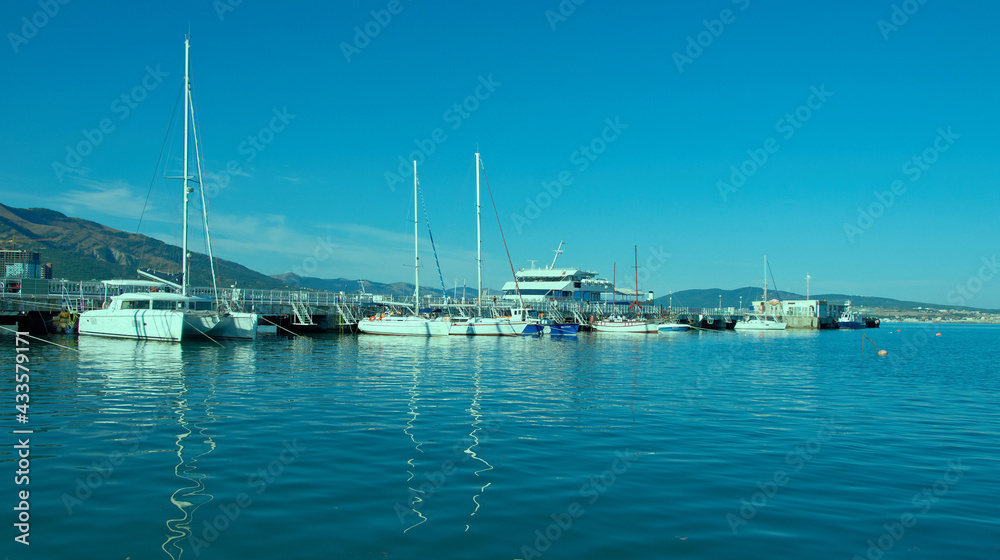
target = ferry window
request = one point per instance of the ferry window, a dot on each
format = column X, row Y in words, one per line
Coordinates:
column 135, row 304
column 203, row 305
column 157, row 304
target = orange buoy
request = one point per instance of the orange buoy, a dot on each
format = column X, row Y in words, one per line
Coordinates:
column 938, row 334
column 883, row 352
column 897, row 330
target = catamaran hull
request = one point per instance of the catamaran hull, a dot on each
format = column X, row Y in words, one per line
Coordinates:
column 405, row 326
column 239, row 325
column 672, row 327
column 151, row 324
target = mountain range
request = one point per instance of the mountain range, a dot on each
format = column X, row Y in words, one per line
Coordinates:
column 84, row 250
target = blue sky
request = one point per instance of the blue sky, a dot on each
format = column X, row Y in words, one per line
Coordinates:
column 707, row 133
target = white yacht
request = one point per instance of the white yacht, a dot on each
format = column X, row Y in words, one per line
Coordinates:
column 760, row 321
column 636, row 324
column 153, row 314
column 408, row 325
column 481, row 325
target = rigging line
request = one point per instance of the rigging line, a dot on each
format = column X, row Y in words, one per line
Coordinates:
column 204, row 202
column 21, row 333
column 777, row 293
column 152, row 181
column 427, row 221
column 495, row 213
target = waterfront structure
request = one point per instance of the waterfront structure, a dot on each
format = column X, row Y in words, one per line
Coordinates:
column 807, row 313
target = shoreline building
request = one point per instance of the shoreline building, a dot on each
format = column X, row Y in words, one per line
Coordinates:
column 803, row 313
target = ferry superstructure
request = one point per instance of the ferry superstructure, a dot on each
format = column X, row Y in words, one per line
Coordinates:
column 557, row 284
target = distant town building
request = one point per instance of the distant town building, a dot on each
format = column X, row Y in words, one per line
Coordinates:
column 20, row 263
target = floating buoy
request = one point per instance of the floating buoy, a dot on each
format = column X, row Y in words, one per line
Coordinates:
column 897, row 330
column 762, row 336
column 883, row 352
column 938, row 334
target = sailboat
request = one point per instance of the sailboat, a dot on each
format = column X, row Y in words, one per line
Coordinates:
column 408, row 325
column 155, row 313
column 620, row 324
column 760, row 321
column 479, row 325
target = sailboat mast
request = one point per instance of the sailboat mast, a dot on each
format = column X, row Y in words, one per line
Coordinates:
column 416, row 252
column 479, row 246
column 636, row 250
column 184, row 182
column 764, row 304
column 614, row 291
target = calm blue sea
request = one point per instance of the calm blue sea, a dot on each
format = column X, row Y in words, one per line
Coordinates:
column 691, row 445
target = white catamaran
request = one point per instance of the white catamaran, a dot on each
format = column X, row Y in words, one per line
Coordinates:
column 171, row 316
column 408, row 325
column 760, row 321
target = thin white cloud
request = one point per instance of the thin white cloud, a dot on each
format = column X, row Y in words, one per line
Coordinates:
column 111, row 198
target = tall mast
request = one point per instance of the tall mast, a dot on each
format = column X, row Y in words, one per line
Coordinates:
column 479, row 246
column 416, row 252
column 636, row 250
column 765, row 285
column 184, row 181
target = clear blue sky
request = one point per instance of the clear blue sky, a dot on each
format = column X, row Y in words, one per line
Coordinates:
column 838, row 102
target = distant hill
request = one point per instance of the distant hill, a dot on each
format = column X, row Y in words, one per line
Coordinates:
column 731, row 298
column 85, row 250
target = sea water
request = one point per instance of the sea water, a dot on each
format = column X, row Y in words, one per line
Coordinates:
column 709, row 445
